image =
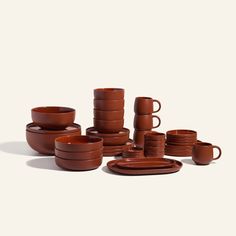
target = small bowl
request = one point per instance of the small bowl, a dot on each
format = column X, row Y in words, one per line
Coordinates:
column 119, row 138
column 79, row 155
column 108, row 115
column 43, row 141
column 133, row 152
column 109, row 105
column 109, row 93
column 78, row 165
column 149, row 143
column 106, row 126
column 72, row 143
column 53, row 117
column 155, row 136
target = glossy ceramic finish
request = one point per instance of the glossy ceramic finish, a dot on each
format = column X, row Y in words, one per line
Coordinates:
column 43, row 141
column 108, row 126
column 53, row 117
column 145, row 122
column 203, row 154
column 79, row 155
column 109, row 93
column 108, row 115
column 112, row 165
column 83, row 143
column 109, row 105
column 145, row 105
column 119, row 138
column 78, row 165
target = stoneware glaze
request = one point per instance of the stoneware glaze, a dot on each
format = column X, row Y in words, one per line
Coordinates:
column 145, row 105
column 109, row 105
column 145, row 122
column 108, row 126
column 134, row 152
column 203, row 153
column 109, row 93
column 108, row 115
column 53, row 117
column 138, row 137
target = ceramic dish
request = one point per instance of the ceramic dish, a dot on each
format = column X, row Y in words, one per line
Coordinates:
column 53, row 117
column 78, row 165
column 109, row 93
column 108, row 115
column 79, row 155
column 113, row 139
column 43, row 141
column 112, row 165
column 108, row 126
column 134, row 152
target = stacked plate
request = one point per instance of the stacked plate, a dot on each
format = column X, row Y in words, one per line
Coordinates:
column 78, row 152
column 144, row 166
column 180, row 142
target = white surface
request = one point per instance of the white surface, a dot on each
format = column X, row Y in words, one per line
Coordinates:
column 57, row 52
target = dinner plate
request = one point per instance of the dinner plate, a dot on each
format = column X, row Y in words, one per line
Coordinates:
column 112, row 165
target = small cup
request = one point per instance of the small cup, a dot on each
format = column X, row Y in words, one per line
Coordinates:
column 108, row 126
column 109, row 93
column 108, row 115
column 145, row 122
column 155, row 136
column 202, row 153
column 109, row 105
column 145, row 105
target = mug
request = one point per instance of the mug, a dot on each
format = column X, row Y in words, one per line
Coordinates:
column 202, row 153
column 145, row 105
column 145, row 122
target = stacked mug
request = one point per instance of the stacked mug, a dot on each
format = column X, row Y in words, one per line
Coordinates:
column 109, row 120
column 154, row 144
column 78, row 152
column 143, row 120
column 49, row 123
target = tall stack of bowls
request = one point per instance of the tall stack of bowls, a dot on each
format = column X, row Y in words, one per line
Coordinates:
column 49, row 123
column 109, row 120
column 78, row 152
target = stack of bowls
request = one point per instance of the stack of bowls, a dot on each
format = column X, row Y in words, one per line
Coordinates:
column 109, row 120
column 48, row 124
column 180, row 142
column 78, row 152
column 154, row 144
column 143, row 119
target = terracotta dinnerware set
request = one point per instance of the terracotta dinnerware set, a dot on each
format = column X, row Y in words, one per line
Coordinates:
column 78, row 152
column 53, row 132
column 48, row 124
column 143, row 119
column 109, row 121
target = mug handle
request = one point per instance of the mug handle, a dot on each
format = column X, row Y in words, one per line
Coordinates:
column 220, row 152
column 159, row 104
column 159, row 120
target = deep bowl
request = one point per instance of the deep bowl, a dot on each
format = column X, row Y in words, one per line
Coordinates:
column 108, row 126
column 109, row 93
column 53, row 117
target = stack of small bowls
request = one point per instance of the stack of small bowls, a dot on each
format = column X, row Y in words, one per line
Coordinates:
column 78, row 152
column 48, row 124
column 109, row 120
column 143, row 120
column 180, row 142
column 154, row 144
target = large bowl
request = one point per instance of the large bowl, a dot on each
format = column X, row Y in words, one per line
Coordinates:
column 53, row 117
column 43, row 141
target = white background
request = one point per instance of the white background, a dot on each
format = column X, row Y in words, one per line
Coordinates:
column 56, row 52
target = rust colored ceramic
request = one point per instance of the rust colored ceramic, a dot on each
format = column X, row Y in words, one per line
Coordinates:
column 203, row 154
column 145, row 105
column 181, row 136
column 79, row 155
column 115, row 151
column 145, row 163
column 138, row 137
column 154, row 136
column 129, row 143
column 108, row 115
column 53, row 117
column 43, row 141
column 173, row 151
column 182, row 143
column 119, row 138
column 134, row 152
column 109, row 105
column 112, row 165
column 108, row 126
column 145, row 122
column 78, row 165
column 109, row 93
column 83, row 143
